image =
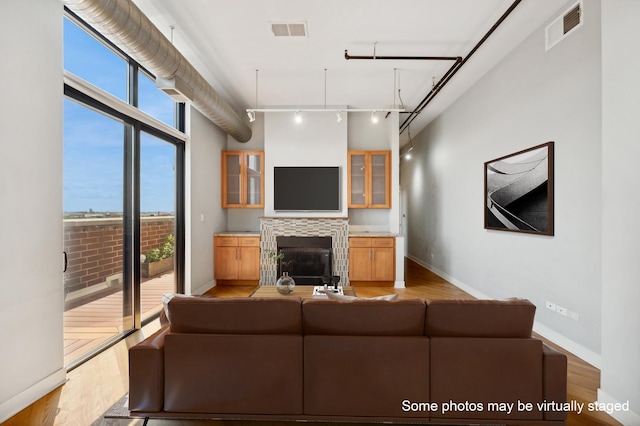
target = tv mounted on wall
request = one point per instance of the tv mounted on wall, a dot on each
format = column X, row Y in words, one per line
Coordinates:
column 306, row 188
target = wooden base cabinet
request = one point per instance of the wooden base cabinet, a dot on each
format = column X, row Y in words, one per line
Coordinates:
column 372, row 260
column 236, row 260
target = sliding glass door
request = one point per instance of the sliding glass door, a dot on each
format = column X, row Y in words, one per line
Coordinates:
column 157, row 221
column 94, row 147
column 123, row 193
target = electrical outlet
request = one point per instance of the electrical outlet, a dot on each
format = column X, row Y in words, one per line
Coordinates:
column 574, row 316
column 561, row 310
column 550, row 305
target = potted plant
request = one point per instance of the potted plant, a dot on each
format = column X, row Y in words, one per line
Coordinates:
column 285, row 284
column 158, row 260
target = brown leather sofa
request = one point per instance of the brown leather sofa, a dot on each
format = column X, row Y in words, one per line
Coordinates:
column 405, row 361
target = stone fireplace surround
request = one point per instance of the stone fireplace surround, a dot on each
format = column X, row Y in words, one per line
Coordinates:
column 335, row 227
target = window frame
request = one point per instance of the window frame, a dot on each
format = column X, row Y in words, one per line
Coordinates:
column 135, row 122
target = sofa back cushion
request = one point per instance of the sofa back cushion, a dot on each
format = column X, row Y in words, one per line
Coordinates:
column 235, row 315
column 363, row 317
column 480, row 318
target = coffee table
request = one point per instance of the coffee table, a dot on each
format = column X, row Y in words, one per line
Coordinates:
column 303, row 291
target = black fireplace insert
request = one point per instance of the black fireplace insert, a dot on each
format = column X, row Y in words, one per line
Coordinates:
column 308, row 260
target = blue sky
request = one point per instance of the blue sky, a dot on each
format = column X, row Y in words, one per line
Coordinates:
column 94, row 143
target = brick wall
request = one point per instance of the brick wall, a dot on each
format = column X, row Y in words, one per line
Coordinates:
column 94, row 247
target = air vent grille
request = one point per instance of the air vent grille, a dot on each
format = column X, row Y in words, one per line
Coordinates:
column 571, row 19
column 289, row 29
column 564, row 25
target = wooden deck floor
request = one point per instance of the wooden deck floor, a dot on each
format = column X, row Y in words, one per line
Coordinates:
column 92, row 324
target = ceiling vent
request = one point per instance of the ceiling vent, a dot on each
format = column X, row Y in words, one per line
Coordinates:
column 564, row 25
column 175, row 88
column 289, row 29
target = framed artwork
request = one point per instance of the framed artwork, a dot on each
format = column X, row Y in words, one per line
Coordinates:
column 518, row 191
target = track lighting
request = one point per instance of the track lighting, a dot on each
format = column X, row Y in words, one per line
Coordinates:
column 374, row 117
column 339, row 116
column 252, row 116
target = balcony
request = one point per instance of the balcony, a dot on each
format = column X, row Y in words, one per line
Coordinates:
column 93, row 281
column 90, row 325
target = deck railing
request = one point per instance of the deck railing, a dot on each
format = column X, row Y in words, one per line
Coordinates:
column 94, row 248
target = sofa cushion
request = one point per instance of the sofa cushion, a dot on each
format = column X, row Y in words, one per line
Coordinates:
column 234, row 374
column 483, row 371
column 375, row 373
column 363, row 317
column 235, row 315
column 335, row 296
column 480, row 318
column 164, row 319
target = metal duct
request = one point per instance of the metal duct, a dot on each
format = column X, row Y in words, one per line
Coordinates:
column 128, row 28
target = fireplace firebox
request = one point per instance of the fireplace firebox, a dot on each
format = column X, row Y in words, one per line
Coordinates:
column 306, row 259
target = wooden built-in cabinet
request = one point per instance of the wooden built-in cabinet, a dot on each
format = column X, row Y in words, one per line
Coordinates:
column 369, row 179
column 372, row 260
column 236, row 260
column 242, row 179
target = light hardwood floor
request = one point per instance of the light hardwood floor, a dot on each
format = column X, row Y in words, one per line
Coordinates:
column 97, row 384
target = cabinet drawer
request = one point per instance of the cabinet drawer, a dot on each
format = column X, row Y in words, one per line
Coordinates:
column 383, row 242
column 359, row 242
column 226, row 241
column 250, row 241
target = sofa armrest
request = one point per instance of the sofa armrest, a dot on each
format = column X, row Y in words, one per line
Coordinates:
column 554, row 376
column 146, row 373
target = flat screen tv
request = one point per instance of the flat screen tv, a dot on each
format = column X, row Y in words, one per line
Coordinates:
column 306, row 188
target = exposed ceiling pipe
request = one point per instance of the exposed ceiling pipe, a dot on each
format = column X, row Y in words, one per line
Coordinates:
column 417, row 58
column 124, row 24
column 447, row 77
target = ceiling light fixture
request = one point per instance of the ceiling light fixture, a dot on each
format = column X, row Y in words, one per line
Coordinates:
column 337, row 111
column 405, row 152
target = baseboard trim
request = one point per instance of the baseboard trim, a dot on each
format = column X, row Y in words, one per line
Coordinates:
column 462, row 286
column 625, row 417
column 578, row 350
column 203, row 288
column 399, row 284
column 569, row 345
column 19, row 402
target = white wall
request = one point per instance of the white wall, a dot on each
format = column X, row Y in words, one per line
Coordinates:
column 31, row 305
column 531, row 97
column 318, row 141
column 204, row 213
column 620, row 376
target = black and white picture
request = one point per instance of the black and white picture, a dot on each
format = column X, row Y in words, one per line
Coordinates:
column 519, row 191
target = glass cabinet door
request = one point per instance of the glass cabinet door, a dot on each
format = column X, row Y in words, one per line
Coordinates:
column 379, row 179
column 369, row 183
column 253, row 182
column 242, row 179
column 357, row 180
column 233, row 178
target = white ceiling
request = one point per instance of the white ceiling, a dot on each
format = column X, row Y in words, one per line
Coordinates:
column 228, row 40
